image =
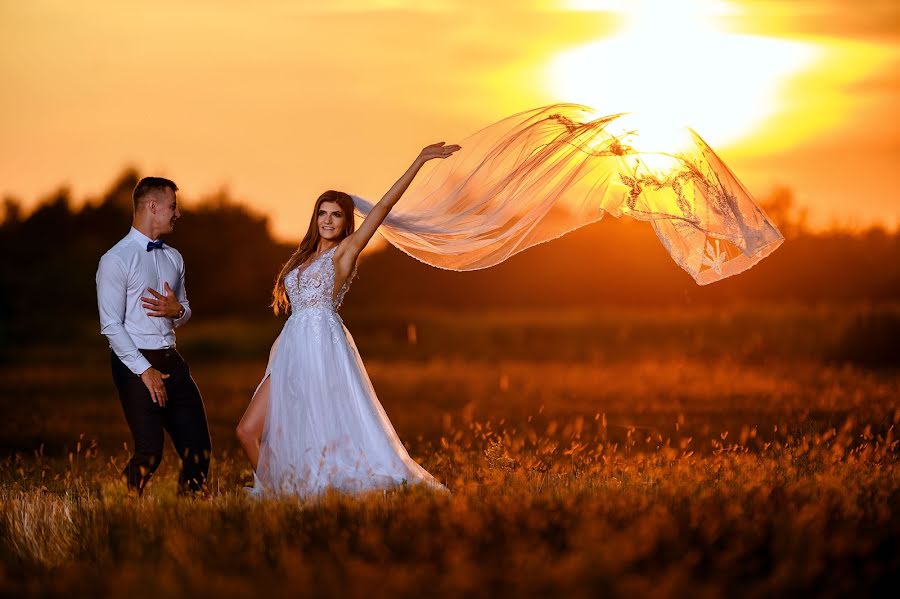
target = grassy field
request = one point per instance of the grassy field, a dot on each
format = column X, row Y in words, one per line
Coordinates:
column 742, row 452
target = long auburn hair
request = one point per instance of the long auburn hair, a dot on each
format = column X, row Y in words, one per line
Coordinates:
column 307, row 247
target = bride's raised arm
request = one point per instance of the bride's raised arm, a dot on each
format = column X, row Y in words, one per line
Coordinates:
column 356, row 241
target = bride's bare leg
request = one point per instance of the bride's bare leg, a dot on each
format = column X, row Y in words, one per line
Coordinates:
column 250, row 428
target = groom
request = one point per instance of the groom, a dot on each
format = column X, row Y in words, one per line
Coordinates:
column 141, row 298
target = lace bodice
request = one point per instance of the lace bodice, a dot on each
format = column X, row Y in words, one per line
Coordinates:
column 311, row 285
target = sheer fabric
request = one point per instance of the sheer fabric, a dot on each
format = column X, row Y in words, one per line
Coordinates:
column 539, row 174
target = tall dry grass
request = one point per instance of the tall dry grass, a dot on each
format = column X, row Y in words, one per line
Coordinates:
column 768, row 471
column 810, row 513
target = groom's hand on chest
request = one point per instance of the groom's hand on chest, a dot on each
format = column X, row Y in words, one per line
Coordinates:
column 162, row 306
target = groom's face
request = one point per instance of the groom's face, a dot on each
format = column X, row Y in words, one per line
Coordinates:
column 165, row 211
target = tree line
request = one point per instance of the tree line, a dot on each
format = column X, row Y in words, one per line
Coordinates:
column 50, row 257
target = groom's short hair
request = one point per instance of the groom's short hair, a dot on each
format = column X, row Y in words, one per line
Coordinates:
column 149, row 185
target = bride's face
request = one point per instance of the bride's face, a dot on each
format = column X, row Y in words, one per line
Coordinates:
column 331, row 220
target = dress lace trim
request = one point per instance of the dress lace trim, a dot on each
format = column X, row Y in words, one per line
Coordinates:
column 311, row 284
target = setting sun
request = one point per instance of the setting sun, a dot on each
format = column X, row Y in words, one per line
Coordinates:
column 720, row 83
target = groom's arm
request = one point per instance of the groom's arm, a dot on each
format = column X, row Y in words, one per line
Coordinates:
column 169, row 303
column 181, row 296
column 111, row 299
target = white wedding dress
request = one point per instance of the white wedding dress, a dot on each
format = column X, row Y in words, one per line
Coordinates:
column 325, row 428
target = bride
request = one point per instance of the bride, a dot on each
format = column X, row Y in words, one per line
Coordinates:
column 314, row 422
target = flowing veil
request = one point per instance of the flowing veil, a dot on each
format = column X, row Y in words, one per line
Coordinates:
column 542, row 173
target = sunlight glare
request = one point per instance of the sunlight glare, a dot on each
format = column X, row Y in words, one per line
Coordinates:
column 671, row 66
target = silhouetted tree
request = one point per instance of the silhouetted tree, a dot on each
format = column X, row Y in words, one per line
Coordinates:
column 781, row 206
column 50, row 258
column 12, row 212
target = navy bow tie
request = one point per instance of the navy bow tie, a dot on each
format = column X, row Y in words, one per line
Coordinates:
column 154, row 245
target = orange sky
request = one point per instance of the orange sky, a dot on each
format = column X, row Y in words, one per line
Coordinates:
column 278, row 101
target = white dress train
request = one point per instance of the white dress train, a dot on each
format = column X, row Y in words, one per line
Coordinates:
column 325, row 428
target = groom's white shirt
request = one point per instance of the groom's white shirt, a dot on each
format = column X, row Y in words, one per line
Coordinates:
column 124, row 274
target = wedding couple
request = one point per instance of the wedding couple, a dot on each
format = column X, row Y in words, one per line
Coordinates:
column 314, row 422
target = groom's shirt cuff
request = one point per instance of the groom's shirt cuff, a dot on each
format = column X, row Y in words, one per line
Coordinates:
column 111, row 299
column 177, row 322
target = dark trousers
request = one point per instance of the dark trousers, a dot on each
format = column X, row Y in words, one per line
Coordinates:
column 183, row 416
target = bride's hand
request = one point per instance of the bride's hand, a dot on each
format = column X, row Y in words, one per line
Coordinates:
column 438, row 150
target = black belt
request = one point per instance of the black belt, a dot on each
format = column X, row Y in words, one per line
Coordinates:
column 166, row 352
